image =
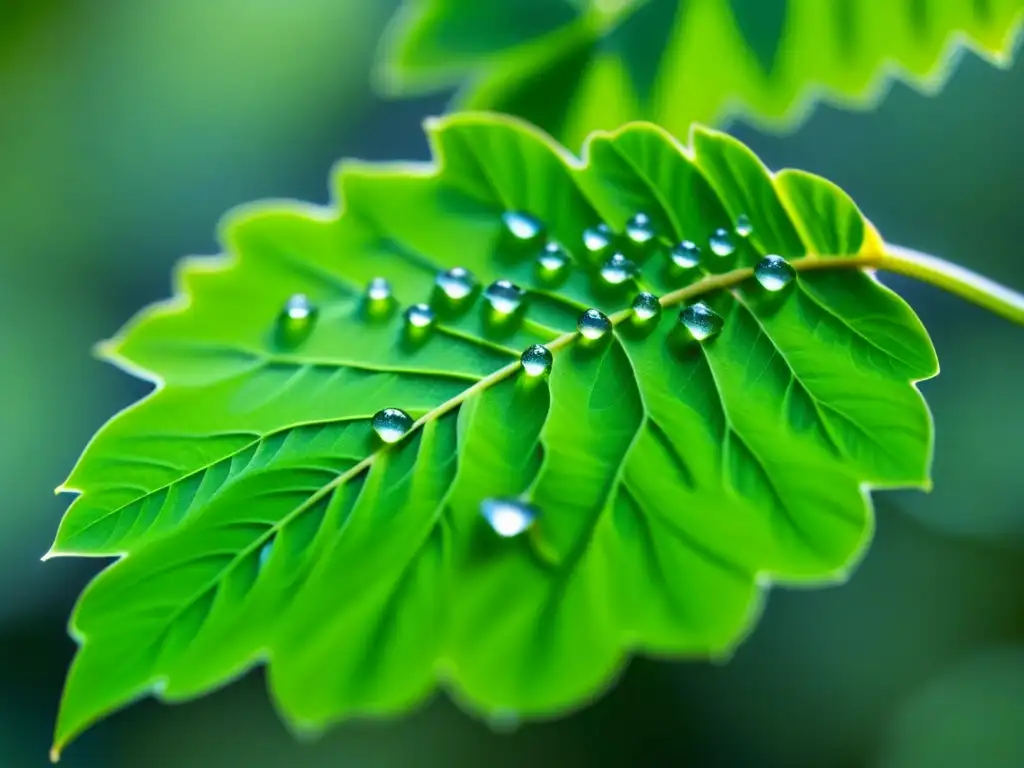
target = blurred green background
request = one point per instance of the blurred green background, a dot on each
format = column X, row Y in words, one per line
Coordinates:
column 127, row 127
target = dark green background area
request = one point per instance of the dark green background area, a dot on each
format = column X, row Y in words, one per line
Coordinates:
column 128, row 127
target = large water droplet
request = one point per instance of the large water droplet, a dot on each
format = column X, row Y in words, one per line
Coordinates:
column 456, row 283
column 536, row 360
column 743, row 226
column 553, row 261
column 504, row 296
column 420, row 316
column 721, row 243
column 522, row 225
column 593, row 324
column 508, row 517
column 646, row 306
column 701, row 321
column 596, row 239
column 686, row 255
column 391, row 423
column 774, row 273
column 378, row 290
column 640, row 229
column 618, row 269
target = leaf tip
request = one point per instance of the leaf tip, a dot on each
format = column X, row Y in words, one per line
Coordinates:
column 55, row 754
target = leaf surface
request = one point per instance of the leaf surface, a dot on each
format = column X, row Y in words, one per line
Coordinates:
column 266, row 522
column 572, row 67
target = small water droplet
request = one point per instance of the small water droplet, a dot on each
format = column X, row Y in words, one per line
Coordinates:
column 420, row 316
column 774, row 273
column 299, row 309
column 391, row 423
column 743, row 226
column 504, row 296
column 522, row 225
column 508, row 517
column 686, row 254
column 639, row 229
column 265, row 552
column 701, row 321
column 295, row 322
column 378, row 290
column 618, row 269
column 646, row 306
column 596, row 239
column 593, row 324
column 456, row 283
column 721, row 243
column 552, row 261
column 536, row 360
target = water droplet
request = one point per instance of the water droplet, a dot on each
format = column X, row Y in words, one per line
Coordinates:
column 553, row 261
column 295, row 322
column 596, row 239
column 686, row 254
column 618, row 269
column 390, row 424
column 639, row 229
column 646, row 306
column 504, row 297
column 743, row 226
column 774, row 273
column 593, row 324
column 456, row 283
column 522, row 225
column 721, row 243
column 536, row 360
column 701, row 321
column 265, row 552
column 420, row 316
column 299, row 309
column 378, row 290
column 508, row 517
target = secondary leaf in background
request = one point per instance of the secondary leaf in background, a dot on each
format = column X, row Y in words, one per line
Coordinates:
column 572, row 66
column 671, row 478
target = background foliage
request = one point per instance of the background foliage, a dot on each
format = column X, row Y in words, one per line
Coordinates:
column 132, row 195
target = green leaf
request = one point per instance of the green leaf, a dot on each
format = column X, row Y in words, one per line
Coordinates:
column 572, row 66
column 675, row 480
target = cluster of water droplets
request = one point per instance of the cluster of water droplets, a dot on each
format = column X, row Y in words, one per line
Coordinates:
column 509, row 517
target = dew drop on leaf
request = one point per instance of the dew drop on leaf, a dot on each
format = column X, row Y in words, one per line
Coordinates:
column 646, row 306
column 701, row 321
column 378, row 290
column 522, row 225
column 618, row 269
column 596, row 239
column 552, row 261
column 504, row 296
column 265, row 552
column 593, row 324
column 508, row 517
column 456, row 283
column 639, row 229
column 721, row 243
column 420, row 316
column 391, row 423
column 536, row 360
column 296, row 320
column 774, row 273
column 686, row 255
column 743, row 226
